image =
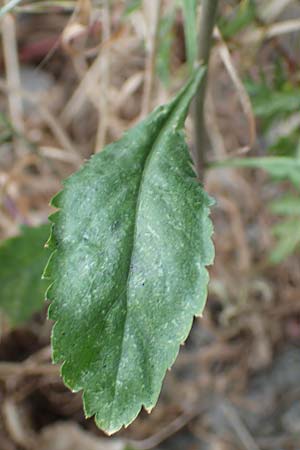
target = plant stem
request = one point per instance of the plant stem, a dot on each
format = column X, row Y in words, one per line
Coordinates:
column 104, row 79
column 154, row 10
column 207, row 22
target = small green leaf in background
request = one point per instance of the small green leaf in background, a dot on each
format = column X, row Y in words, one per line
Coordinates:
column 287, row 232
column 285, row 145
column 131, row 6
column 286, row 205
column 165, row 39
column 242, row 16
column 189, row 10
column 6, row 130
column 273, row 101
column 22, row 258
column 276, row 103
column 279, row 167
column 131, row 242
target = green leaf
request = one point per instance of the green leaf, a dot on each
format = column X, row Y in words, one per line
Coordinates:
column 189, row 9
column 282, row 168
column 288, row 236
column 273, row 102
column 22, row 260
column 285, row 145
column 287, row 205
column 131, row 6
column 277, row 103
column 287, row 232
column 243, row 16
column 164, row 51
column 131, row 242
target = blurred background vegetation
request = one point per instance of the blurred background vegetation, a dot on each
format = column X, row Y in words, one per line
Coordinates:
column 74, row 76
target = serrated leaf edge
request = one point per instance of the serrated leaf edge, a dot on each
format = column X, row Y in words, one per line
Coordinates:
column 53, row 245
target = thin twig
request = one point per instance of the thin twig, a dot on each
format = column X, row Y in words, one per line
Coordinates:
column 16, row 429
column 34, row 365
column 154, row 9
column 238, row 426
column 8, row 369
column 207, row 21
column 169, row 430
column 44, row 354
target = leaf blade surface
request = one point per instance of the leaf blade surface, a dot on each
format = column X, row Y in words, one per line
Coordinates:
column 131, row 239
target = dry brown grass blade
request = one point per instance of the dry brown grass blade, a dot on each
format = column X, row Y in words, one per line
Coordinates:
column 88, row 84
column 58, row 154
column 68, row 435
column 53, row 124
column 241, row 91
column 258, row 35
column 213, row 131
column 129, row 88
column 270, row 10
column 12, row 69
column 75, row 34
column 238, row 232
column 84, row 10
column 85, row 89
column 279, row 28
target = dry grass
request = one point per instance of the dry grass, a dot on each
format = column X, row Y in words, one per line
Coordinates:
column 74, row 80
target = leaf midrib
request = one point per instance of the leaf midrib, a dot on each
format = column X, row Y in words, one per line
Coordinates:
column 140, row 189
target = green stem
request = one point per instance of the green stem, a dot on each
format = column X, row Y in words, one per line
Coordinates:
column 207, row 22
